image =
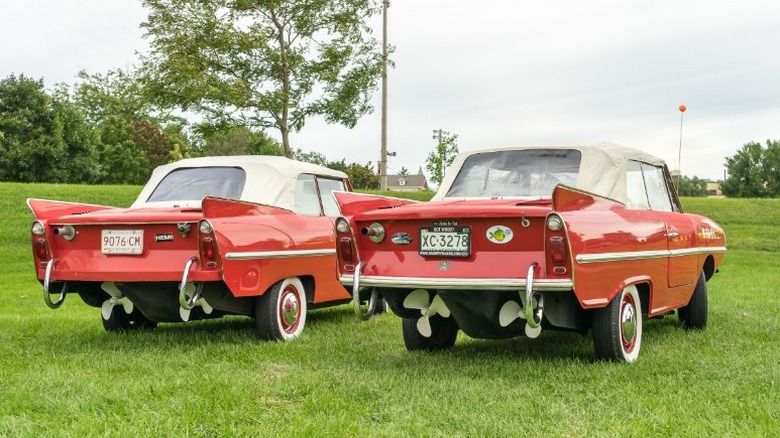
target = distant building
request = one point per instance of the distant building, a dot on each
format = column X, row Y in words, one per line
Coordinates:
column 713, row 190
column 407, row 183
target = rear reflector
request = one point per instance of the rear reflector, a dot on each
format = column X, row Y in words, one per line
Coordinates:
column 345, row 250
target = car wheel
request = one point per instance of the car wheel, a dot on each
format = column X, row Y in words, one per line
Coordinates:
column 617, row 328
column 694, row 315
column 444, row 331
column 120, row 321
column 280, row 314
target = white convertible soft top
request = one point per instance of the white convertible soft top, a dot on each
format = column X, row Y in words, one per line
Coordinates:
column 270, row 180
column 602, row 168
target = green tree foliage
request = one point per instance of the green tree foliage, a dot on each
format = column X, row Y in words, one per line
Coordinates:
column 311, row 157
column 258, row 62
column 442, row 156
column 403, row 172
column 43, row 138
column 691, row 187
column 361, row 176
column 237, row 140
column 133, row 139
column 754, row 171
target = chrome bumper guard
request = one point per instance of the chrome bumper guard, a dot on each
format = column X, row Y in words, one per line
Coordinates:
column 365, row 316
column 47, row 285
column 188, row 303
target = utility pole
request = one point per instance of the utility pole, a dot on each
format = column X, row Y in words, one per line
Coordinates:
column 383, row 153
column 441, row 136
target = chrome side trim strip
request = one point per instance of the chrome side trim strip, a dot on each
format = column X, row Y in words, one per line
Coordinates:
column 646, row 255
column 260, row 255
column 459, row 283
column 699, row 250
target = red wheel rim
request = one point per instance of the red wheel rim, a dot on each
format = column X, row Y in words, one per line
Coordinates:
column 289, row 309
column 628, row 323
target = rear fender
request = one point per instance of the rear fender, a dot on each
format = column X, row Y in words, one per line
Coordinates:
column 221, row 207
column 46, row 210
column 351, row 203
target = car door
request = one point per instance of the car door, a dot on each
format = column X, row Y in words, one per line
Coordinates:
column 649, row 189
column 680, row 231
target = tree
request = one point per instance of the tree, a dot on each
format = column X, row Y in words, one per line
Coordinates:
column 361, row 176
column 237, row 140
column 403, row 172
column 135, row 137
column 754, row 172
column 442, row 156
column 259, row 62
column 310, row 157
column 691, row 187
column 44, row 138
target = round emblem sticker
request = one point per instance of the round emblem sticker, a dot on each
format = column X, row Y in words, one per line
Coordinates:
column 499, row 234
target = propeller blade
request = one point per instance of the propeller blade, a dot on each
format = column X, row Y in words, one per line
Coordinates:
column 110, row 288
column 438, row 308
column 207, row 309
column 424, row 326
column 127, row 304
column 531, row 332
column 105, row 309
column 509, row 312
column 185, row 314
column 418, row 299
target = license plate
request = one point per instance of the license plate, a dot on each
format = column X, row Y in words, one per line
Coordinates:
column 122, row 241
column 445, row 242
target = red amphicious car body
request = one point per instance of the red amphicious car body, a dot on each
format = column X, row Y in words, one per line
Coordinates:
column 519, row 239
column 247, row 235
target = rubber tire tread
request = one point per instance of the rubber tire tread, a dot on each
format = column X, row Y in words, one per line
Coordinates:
column 443, row 336
column 694, row 315
column 606, row 330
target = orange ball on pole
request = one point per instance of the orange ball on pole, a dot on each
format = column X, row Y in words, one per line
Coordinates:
column 683, row 108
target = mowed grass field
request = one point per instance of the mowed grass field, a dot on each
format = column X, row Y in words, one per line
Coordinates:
column 62, row 375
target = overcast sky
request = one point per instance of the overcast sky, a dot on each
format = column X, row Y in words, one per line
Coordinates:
column 499, row 73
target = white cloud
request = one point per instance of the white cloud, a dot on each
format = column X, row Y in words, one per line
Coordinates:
column 501, row 73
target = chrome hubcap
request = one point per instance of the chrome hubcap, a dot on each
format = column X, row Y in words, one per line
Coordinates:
column 628, row 323
column 289, row 308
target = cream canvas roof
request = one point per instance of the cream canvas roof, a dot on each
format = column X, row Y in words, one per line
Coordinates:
column 270, row 180
column 602, row 168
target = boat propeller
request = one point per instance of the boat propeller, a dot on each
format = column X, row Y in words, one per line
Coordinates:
column 117, row 299
column 192, row 291
column 419, row 299
column 511, row 311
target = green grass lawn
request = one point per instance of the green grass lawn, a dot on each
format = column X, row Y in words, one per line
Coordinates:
column 62, row 375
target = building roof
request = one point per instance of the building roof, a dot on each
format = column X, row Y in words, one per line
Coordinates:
column 411, row 180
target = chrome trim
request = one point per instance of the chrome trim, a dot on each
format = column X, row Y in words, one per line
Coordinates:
column 188, row 303
column 47, row 284
column 533, row 317
column 260, row 255
column 356, row 296
column 460, row 283
column 646, row 255
column 697, row 250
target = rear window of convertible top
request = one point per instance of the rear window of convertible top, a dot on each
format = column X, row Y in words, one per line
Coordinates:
column 523, row 172
column 195, row 183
